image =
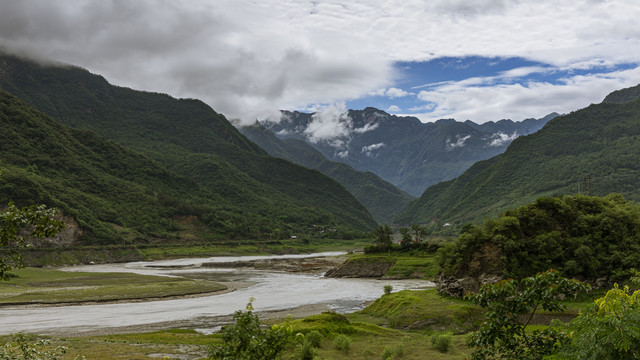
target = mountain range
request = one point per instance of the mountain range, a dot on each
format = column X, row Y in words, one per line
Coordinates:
column 181, row 158
column 402, row 150
column 382, row 199
column 593, row 151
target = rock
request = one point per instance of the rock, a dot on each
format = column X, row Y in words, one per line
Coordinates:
column 456, row 287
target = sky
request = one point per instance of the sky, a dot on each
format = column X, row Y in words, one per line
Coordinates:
column 481, row 60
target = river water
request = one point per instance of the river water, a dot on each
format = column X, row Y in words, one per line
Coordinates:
column 271, row 290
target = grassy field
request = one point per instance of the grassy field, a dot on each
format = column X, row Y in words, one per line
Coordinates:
column 47, row 286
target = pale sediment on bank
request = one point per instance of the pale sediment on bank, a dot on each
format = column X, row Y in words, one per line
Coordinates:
column 203, row 323
column 229, row 287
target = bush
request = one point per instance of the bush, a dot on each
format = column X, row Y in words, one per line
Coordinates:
column 24, row 347
column 387, row 353
column 441, row 342
column 342, row 342
column 246, row 340
column 392, row 352
column 314, row 338
column 388, row 289
column 306, row 350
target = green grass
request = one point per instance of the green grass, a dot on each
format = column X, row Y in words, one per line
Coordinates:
column 406, row 265
column 46, row 286
column 424, row 310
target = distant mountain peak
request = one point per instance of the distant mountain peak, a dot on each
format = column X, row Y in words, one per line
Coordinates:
column 401, row 149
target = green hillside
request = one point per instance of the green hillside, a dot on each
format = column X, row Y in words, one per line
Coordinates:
column 102, row 185
column 257, row 195
column 382, row 199
column 594, row 151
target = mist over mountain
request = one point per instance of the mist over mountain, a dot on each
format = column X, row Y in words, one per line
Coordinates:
column 594, row 151
column 402, row 150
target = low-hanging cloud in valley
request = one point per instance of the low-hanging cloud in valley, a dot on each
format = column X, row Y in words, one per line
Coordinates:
column 250, row 59
column 457, row 142
column 370, row 149
column 500, row 139
column 333, row 126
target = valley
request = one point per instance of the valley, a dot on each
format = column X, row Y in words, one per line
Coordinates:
column 393, row 240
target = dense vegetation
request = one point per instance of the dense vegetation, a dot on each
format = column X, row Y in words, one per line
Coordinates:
column 581, row 236
column 595, row 151
column 167, row 160
column 381, row 198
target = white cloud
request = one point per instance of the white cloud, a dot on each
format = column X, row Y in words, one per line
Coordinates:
column 331, row 123
column 393, row 109
column 397, row 93
column 484, row 99
column 499, row 139
column 248, row 59
column 369, row 149
column 391, row 93
column 457, row 142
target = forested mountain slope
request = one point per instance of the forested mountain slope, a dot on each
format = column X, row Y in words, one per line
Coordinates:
column 382, row 199
column 260, row 194
column 595, row 151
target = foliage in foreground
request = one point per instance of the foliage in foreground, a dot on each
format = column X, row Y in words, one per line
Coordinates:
column 245, row 340
column 608, row 329
column 22, row 348
column 510, row 306
column 581, row 236
column 37, row 221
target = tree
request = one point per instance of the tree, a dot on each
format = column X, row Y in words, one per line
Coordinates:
column 607, row 329
column 36, row 221
column 510, row 306
column 407, row 240
column 245, row 340
column 413, row 235
column 382, row 236
column 419, row 233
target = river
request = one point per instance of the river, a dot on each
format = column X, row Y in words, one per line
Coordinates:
column 271, row 290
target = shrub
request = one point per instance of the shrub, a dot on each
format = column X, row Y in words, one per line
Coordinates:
column 392, row 352
column 306, row 350
column 314, row 338
column 342, row 342
column 441, row 342
column 246, row 340
column 388, row 289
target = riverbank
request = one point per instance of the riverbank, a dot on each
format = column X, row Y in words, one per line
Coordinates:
column 33, row 287
column 83, row 255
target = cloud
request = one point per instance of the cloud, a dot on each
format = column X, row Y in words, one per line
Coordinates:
column 391, row 93
column 393, row 109
column 484, row 99
column 249, row 59
column 369, row 149
column 397, row 93
column 457, row 142
column 499, row 139
column 333, row 125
